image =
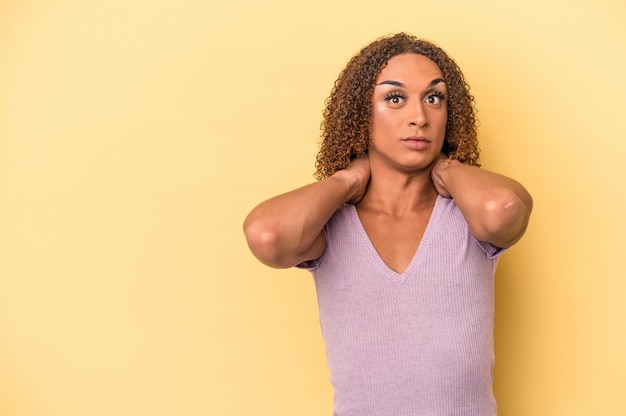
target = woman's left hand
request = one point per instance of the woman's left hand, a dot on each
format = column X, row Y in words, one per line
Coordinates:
column 495, row 207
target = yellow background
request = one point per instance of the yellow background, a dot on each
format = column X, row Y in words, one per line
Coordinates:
column 135, row 135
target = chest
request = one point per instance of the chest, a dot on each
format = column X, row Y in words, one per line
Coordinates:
column 396, row 239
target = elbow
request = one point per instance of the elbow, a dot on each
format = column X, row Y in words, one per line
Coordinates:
column 506, row 218
column 263, row 242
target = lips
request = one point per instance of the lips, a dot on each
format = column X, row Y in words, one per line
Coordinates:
column 416, row 142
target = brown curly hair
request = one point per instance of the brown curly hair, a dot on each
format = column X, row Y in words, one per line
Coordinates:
column 346, row 123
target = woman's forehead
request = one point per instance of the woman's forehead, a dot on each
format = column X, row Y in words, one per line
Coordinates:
column 409, row 66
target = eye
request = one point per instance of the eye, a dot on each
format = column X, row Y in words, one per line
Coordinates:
column 435, row 98
column 395, row 98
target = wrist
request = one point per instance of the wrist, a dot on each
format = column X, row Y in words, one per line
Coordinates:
column 445, row 167
column 440, row 175
column 352, row 185
column 346, row 184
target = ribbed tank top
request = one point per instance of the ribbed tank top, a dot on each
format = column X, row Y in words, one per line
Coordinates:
column 418, row 343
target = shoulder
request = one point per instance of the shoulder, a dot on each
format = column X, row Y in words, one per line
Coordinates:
column 337, row 228
column 343, row 216
column 449, row 218
column 447, row 212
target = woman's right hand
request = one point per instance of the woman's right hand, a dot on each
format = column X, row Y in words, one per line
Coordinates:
column 288, row 229
column 358, row 176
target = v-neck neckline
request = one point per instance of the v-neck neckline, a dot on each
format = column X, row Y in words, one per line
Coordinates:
column 388, row 271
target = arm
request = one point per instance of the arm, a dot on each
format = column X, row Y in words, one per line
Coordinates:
column 496, row 208
column 286, row 230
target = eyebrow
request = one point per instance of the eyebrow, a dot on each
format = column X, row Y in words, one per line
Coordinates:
column 401, row 85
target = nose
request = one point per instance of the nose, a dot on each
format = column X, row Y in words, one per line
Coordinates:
column 418, row 117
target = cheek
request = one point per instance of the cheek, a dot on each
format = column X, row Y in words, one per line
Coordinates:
column 441, row 120
column 376, row 123
column 378, row 131
column 382, row 120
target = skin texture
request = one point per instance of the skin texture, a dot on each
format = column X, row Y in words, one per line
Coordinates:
column 409, row 115
column 348, row 113
column 394, row 185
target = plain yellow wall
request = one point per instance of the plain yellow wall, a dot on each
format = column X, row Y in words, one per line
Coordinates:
column 135, row 135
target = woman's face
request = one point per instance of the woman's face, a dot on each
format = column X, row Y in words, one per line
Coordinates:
column 409, row 113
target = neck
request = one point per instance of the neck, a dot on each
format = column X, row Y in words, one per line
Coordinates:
column 398, row 193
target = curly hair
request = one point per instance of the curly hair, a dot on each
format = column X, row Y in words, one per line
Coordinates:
column 347, row 116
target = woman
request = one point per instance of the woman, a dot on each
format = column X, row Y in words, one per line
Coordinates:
column 402, row 233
